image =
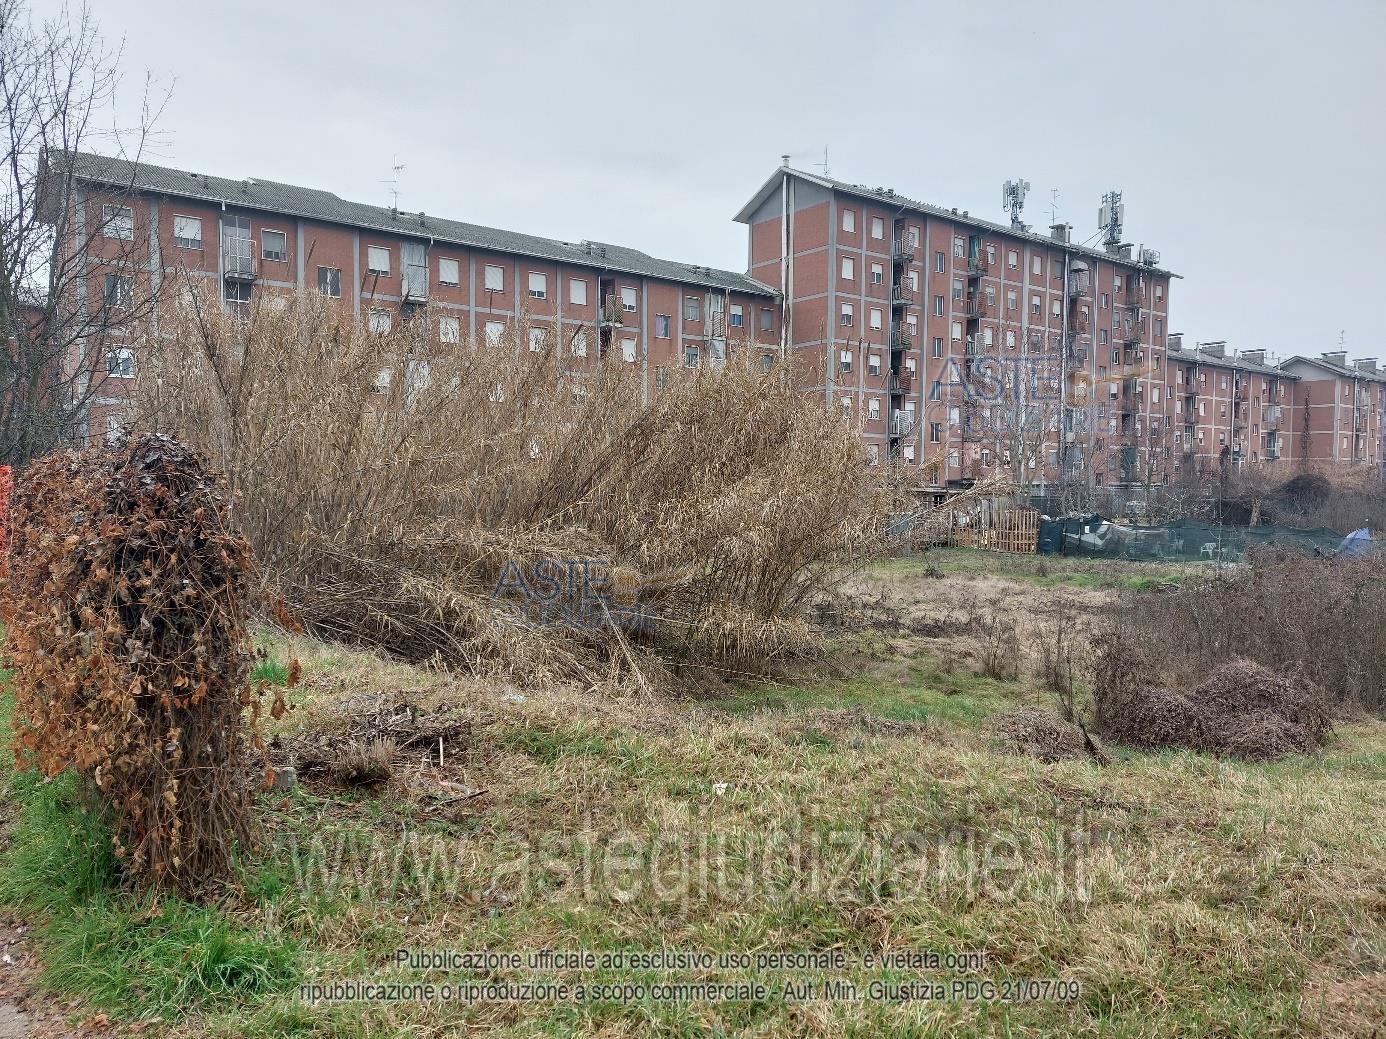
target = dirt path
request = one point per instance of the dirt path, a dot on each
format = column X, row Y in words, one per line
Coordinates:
column 24, row 1014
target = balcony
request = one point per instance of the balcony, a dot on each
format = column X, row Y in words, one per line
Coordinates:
column 901, row 382
column 236, row 266
column 901, row 251
column 1135, row 296
column 977, row 265
column 901, row 341
column 975, row 307
column 611, row 313
column 1133, row 335
column 901, row 423
column 901, row 296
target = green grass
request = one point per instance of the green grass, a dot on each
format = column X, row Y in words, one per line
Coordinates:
column 270, row 671
column 123, row 951
column 1040, row 571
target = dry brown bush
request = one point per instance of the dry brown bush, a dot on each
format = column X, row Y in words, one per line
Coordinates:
column 388, row 512
column 1284, row 610
column 126, row 606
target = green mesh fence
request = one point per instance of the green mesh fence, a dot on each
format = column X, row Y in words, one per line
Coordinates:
column 1184, row 541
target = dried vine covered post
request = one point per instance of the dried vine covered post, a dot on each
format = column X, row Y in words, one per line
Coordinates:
column 126, row 607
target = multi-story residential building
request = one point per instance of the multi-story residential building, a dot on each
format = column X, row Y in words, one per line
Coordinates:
column 1342, row 409
column 929, row 323
column 1227, row 410
column 600, row 303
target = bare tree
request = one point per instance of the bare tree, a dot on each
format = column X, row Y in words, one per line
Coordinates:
column 76, row 280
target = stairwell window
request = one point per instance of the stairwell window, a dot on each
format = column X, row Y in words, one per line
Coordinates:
column 937, row 350
column 940, row 262
column 330, row 281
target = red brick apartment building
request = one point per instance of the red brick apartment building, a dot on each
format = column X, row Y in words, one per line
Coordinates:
column 1342, row 409
column 601, row 302
column 1226, row 409
column 897, row 310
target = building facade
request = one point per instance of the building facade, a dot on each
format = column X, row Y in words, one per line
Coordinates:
column 966, row 346
column 251, row 239
column 1341, row 417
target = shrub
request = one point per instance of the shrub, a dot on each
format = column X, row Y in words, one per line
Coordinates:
column 126, row 609
column 390, row 485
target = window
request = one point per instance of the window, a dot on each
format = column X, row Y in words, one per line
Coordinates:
column 849, row 221
column 1054, row 307
column 910, row 365
column 845, row 403
column 767, row 361
column 1010, row 339
column 413, row 263
column 448, row 273
column 936, row 390
column 628, row 299
column 1116, row 282
column 849, row 270
column 1159, row 326
column 991, row 256
column 692, row 308
column 844, row 361
column 877, row 274
column 577, row 292
column 538, row 338
column 114, row 427
column 1012, row 259
column 628, row 350
column 117, row 222
column 383, row 379
column 1035, row 305
column 912, row 279
column 873, row 408
column 449, row 330
column 187, row 232
column 959, row 248
column 495, row 332
column 938, row 346
column 330, row 281
column 1036, row 266
column 495, row 278
column 662, row 325
column 848, row 314
column 1101, row 337
column 1159, row 293
column 938, row 306
column 690, row 356
column 987, row 337
column 873, row 364
column 378, row 320
column 738, row 316
column 579, row 344
column 120, row 290
column 875, row 317
column 940, row 262
column 957, row 331
column 957, row 288
column 767, row 318
column 377, row 259
column 236, row 291
column 877, row 227
column 120, row 362
column 1011, row 299
column 274, row 245
column 538, row 285
column 1102, row 300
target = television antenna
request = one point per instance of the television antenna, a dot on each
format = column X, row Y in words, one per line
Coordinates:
column 1054, row 205
column 396, row 168
column 824, row 164
column 1013, row 194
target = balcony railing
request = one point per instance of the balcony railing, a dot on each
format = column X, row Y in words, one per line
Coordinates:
column 901, row 341
column 901, row 250
column 975, row 307
column 977, row 265
column 238, row 267
column 901, row 296
column 901, row 382
column 901, row 423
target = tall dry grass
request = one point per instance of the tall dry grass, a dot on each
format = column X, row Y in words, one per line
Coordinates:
column 388, row 483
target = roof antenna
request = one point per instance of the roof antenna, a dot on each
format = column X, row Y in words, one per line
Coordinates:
column 824, row 163
column 1053, row 206
column 1013, row 194
column 396, row 168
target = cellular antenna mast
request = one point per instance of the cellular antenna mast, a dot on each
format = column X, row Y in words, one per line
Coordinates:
column 1013, row 194
column 396, row 168
column 1110, row 219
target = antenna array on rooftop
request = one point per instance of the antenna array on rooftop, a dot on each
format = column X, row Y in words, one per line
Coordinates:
column 1013, row 194
column 1111, row 217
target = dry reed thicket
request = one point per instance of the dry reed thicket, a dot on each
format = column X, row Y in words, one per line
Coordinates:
column 126, row 605
column 392, row 485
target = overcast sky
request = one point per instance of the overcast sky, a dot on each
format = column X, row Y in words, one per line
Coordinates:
column 1246, row 136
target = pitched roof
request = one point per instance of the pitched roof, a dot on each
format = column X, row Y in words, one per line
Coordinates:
column 1338, row 369
column 1196, row 356
column 315, row 204
column 889, row 197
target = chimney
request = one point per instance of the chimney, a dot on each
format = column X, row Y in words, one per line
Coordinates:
column 1254, row 356
column 1338, row 357
column 1217, row 348
column 1367, row 364
column 1175, row 340
column 1059, row 232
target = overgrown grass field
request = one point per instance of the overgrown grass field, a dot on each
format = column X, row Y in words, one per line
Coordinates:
column 861, row 807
